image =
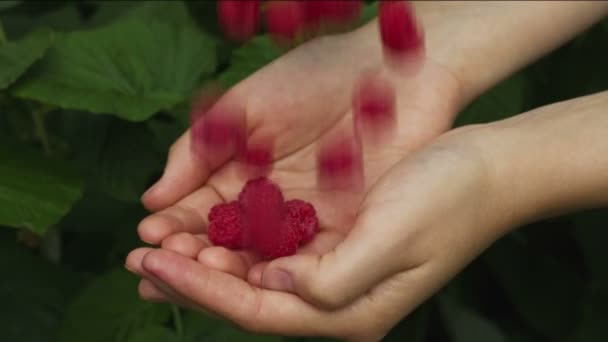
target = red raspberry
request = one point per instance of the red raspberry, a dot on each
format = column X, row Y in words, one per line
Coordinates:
column 284, row 20
column 257, row 158
column 398, row 27
column 218, row 133
column 285, row 243
column 240, row 19
column 331, row 12
column 225, row 225
column 374, row 103
column 302, row 217
column 263, row 207
column 340, row 163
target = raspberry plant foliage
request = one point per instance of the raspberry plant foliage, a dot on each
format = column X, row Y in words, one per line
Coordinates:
column 92, row 94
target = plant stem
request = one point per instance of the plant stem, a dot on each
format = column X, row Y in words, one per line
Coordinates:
column 2, row 34
column 40, row 129
column 177, row 317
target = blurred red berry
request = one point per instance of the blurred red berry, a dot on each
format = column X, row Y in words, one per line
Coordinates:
column 374, row 106
column 332, row 12
column 284, row 20
column 340, row 163
column 239, row 19
column 398, row 27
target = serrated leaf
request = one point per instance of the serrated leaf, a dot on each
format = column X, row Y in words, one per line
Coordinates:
column 154, row 334
column 33, row 292
column 247, row 59
column 17, row 57
column 504, row 100
column 465, row 325
column 35, row 192
column 109, row 309
column 118, row 157
column 131, row 68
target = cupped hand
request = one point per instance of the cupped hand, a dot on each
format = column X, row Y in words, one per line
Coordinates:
column 302, row 99
column 420, row 223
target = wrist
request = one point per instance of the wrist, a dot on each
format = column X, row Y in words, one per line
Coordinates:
column 481, row 43
column 550, row 161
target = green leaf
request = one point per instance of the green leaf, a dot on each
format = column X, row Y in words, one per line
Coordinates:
column 504, row 100
column 6, row 4
column 131, row 68
column 466, row 325
column 17, row 57
column 543, row 291
column 109, row 309
column 127, row 161
column 62, row 19
column 118, row 157
column 249, row 58
column 33, row 292
column 35, row 192
column 202, row 328
column 154, row 334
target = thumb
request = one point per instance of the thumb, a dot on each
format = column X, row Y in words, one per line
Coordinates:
column 370, row 253
column 182, row 175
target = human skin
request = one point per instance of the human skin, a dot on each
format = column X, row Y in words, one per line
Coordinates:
column 317, row 289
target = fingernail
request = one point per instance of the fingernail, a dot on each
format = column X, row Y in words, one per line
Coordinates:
column 278, row 280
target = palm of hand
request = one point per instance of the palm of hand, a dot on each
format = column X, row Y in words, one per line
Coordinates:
column 300, row 113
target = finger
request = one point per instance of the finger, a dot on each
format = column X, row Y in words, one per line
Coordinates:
column 185, row 244
column 182, row 175
column 236, row 263
column 134, row 259
column 188, row 215
column 251, row 308
column 324, row 242
column 334, row 279
column 148, row 291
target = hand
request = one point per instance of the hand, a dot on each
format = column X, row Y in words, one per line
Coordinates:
column 311, row 112
column 399, row 252
column 420, row 224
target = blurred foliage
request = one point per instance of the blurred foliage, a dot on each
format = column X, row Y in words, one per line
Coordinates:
column 92, row 93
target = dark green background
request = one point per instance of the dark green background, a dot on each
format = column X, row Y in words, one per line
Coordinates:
column 92, row 93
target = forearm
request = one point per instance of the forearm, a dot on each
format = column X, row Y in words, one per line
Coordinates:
column 550, row 161
column 483, row 42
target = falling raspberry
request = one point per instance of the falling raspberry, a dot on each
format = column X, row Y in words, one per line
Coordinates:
column 240, row 19
column 332, row 14
column 340, row 163
column 226, row 226
column 256, row 159
column 399, row 30
column 262, row 221
column 374, row 103
column 218, row 127
column 284, row 20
